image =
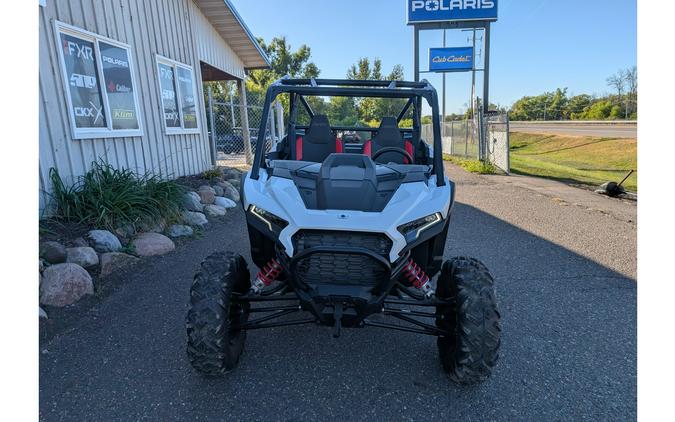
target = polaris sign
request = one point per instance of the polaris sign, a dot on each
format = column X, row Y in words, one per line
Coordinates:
column 451, row 10
column 451, row 59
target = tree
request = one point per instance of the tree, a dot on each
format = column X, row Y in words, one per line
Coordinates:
column 618, row 82
column 631, row 86
column 369, row 109
column 283, row 61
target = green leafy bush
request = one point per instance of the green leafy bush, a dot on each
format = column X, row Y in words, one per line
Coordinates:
column 110, row 198
column 472, row 166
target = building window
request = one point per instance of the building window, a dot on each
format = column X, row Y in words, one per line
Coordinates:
column 100, row 85
column 177, row 91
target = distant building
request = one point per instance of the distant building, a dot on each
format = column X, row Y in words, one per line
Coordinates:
column 122, row 81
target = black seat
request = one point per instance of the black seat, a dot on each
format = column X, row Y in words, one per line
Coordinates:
column 389, row 135
column 317, row 143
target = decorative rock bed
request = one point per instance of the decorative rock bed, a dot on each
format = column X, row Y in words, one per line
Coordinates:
column 65, row 271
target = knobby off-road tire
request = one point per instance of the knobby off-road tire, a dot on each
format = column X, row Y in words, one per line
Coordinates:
column 471, row 349
column 213, row 347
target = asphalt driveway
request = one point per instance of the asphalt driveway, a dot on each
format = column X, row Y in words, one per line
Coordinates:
column 564, row 260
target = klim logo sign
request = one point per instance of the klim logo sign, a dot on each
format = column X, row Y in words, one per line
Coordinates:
column 451, row 10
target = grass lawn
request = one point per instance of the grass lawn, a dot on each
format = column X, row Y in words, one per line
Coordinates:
column 584, row 160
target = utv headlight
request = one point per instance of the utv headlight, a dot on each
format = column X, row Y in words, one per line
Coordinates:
column 411, row 231
column 275, row 223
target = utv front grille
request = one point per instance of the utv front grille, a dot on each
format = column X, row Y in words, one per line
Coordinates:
column 341, row 268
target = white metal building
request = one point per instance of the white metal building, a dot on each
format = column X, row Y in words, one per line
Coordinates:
column 122, row 81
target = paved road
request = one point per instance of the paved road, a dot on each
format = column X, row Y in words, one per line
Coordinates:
column 564, row 261
column 604, row 131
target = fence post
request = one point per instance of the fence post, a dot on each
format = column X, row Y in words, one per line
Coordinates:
column 280, row 120
column 234, row 123
column 466, row 137
column 243, row 115
column 214, row 153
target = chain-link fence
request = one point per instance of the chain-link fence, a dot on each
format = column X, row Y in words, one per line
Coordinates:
column 226, row 121
column 462, row 138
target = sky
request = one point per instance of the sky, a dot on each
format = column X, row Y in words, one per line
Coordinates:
column 537, row 45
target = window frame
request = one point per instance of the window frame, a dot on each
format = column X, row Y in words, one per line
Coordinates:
column 108, row 131
column 182, row 130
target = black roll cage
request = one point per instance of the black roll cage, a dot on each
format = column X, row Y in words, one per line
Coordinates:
column 298, row 88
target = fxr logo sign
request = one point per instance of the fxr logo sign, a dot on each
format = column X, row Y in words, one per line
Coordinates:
column 444, row 5
column 80, row 51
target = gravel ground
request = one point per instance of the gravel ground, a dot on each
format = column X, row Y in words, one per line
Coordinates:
column 565, row 264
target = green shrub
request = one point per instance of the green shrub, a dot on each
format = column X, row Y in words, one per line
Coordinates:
column 212, row 173
column 110, row 198
column 473, row 166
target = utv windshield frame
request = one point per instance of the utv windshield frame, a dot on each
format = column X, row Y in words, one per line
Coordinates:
column 414, row 92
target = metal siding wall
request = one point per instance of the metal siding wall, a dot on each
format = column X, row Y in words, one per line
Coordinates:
column 211, row 47
column 150, row 27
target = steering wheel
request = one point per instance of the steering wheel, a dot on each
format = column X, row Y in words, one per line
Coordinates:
column 398, row 150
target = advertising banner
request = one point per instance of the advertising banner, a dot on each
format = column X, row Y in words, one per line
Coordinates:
column 451, row 59
column 119, row 87
column 80, row 66
column 169, row 97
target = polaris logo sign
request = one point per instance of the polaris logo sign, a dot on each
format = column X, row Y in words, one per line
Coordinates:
column 451, row 10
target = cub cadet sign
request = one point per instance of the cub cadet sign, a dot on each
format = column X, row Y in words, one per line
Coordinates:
column 451, row 10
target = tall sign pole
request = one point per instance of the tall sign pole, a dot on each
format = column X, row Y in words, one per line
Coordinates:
column 486, row 70
column 443, row 119
column 416, row 53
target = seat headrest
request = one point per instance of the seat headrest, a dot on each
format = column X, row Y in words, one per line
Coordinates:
column 319, row 131
column 388, row 133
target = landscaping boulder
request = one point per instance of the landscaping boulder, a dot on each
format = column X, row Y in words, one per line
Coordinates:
column 215, row 210
column 206, row 194
column 103, row 241
column 113, row 261
column 178, row 230
column 225, row 202
column 85, row 257
column 235, row 182
column 65, row 284
column 194, row 218
column 230, row 191
column 192, row 202
column 80, row 241
column 154, row 227
column 231, row 173
column 207, row 187
column 125, row 232
column 151, row 244
column 53, row 252
column 219, row 190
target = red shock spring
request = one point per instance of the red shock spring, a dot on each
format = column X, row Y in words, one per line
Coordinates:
column 415, row 275
column 267, row 275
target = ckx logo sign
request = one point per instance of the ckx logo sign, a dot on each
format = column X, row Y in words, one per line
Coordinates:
column 92, row 112
column 444, row 5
